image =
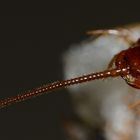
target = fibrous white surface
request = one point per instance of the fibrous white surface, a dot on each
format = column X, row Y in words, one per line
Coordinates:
column 102, row 101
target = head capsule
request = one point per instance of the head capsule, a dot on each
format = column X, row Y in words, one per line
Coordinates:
column 130, row 59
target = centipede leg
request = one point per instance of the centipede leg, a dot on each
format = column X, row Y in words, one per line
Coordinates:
column 120, row 32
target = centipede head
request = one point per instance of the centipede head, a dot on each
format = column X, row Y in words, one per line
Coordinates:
column 130, row 59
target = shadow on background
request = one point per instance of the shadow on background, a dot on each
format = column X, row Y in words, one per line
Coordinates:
column 30, row 55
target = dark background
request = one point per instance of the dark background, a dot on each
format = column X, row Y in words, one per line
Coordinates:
column 30, row 55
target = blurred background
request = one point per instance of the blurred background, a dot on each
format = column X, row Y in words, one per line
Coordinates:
column 31, row 48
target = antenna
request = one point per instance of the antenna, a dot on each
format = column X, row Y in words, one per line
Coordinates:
column 62, row 84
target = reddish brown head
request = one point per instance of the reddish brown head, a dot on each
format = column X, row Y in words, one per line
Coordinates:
column 130, row 59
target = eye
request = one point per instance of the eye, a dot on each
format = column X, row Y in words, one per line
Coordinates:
column 125, row 59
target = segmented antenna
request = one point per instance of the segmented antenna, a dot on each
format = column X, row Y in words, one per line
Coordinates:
column 61, row 84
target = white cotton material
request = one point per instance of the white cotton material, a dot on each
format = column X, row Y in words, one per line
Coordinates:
column 102, row 101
